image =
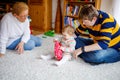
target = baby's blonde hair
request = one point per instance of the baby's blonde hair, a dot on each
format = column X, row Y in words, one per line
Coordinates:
column 68, row 29
column 19, row 7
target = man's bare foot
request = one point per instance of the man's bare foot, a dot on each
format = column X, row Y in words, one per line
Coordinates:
column 1, row 55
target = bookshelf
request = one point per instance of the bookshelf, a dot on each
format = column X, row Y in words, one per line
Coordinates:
column 71, row 10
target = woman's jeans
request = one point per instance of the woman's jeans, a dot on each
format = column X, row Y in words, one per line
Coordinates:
column 108, row 55
column 32, row 42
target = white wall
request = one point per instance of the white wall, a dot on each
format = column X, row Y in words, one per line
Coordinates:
column 106, row 6
column 112, row 7
column 116, row 10
column 109, row 6
column 54, row 7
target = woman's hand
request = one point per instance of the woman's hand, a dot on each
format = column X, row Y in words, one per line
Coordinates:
column 20, row 47
column 77, row 52
column 1, row 55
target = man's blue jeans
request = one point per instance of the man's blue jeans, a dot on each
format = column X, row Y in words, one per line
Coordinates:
column 32, row 42
column 108, row 55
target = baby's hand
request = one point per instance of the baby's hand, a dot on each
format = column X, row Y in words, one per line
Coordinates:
column 62, row 48
column 55, row 39
column 74, row 36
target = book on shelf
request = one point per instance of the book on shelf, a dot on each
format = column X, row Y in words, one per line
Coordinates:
column 72, row 10
column 72, row 0
column 80, row 0
column 71, row 21
column 76, row 10
column 69, row 9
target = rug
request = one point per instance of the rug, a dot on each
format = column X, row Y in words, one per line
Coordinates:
column 29, row 66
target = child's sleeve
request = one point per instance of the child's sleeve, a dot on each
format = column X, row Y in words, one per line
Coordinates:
column 71, row 47
column 58, row 39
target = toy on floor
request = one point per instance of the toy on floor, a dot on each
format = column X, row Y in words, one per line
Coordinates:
column 57, row 51
column 44, row 36
column 50, row 33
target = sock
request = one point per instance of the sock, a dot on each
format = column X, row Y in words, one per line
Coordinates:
column 46, row 57
column 63, row 60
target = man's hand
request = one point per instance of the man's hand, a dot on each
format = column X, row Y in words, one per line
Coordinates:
column 20, row 47
column 1, row 55
column 76, row 53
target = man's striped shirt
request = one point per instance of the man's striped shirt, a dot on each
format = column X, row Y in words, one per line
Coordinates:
column 105, row 31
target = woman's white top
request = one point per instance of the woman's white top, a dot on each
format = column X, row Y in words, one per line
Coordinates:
column 12, row 29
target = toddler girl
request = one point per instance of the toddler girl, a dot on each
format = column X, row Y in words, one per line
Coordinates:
column 67, row 46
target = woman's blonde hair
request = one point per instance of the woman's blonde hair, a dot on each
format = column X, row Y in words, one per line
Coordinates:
column 68, row 29
column 19, row 7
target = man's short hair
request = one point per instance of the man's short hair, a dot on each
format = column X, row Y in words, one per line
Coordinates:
column 88, row 12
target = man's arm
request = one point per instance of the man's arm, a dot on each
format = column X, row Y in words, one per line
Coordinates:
column 86, row 49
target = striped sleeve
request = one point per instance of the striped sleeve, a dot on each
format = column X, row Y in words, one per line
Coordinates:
column 81, row 31
column 106, row 32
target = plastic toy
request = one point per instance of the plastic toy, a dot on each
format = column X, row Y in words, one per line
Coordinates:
column 50, row 33
column 57, row 51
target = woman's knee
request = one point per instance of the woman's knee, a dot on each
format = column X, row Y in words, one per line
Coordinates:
column 38, row 42
column 29, row 46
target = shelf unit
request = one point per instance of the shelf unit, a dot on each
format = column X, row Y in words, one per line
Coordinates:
column 41, row 14
column 69, row 7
